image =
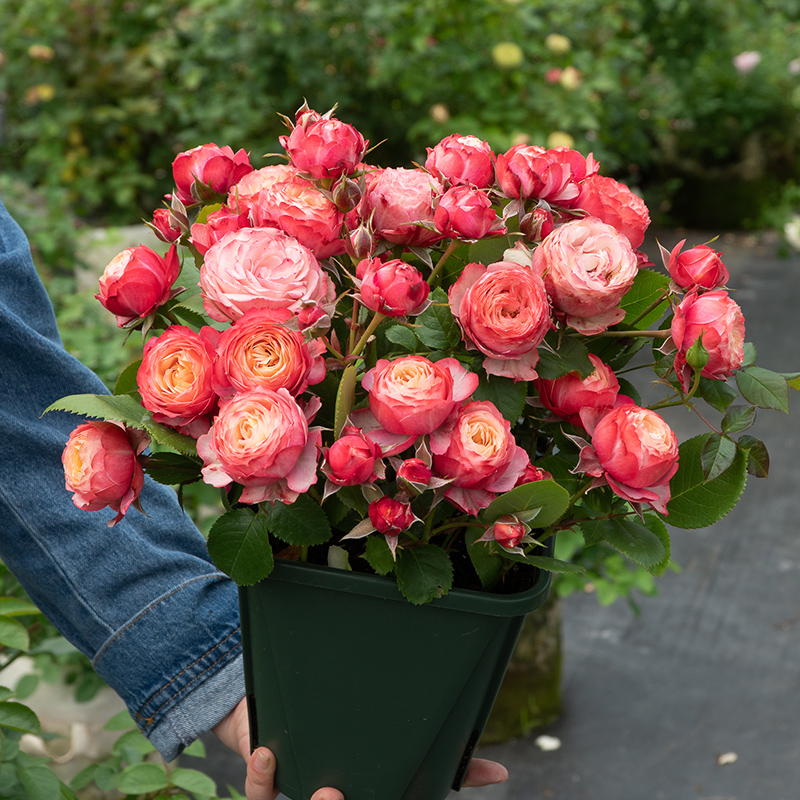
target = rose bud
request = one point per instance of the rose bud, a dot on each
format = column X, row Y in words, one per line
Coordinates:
column 163, row 226
column 508, row 531
column 699, row 266
column 324, row 148
column 137, row 282
column 615, row 204
column 462, row 160
column 537, row 224
column 390, row 517
column 217, row 224
column 101, row 466
column 393, row 287
column 207, row 172
column 720, row 322
column 533, row 474
column 467, row 213
column 175, row 376
column 346, row 194
column 415, row 473
column 351, row 459
column 360, row 243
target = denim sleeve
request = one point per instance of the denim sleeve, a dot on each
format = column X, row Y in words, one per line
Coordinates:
column 142, row 599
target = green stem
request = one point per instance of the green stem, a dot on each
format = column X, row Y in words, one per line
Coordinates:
column 376, row 320
column 451, row 248
column 655, row 304
column 647, row 334
column 304, row 553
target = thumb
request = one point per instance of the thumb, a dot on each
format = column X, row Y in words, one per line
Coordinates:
column 259, row 784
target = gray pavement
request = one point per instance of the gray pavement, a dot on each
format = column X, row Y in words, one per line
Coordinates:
column 698, row 697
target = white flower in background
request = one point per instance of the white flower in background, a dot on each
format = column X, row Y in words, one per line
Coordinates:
column 791, row 230
column 794, row 66
column 747, row 61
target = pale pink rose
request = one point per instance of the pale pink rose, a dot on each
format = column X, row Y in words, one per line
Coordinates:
column 636, row 453
column 414, row 396
column 324, row 148
column 503, row 311
column 400, row 203
column 390, row 517
column 261, row 440
column 698, row 266
column 720, row 321
column 101, row 466
column 175, row 376
column 467, row 213
column 570, row 394
column 352, row 459
column 137, row 282
column 462, row 160
column 299, row 209
column 240, row 197
column 165, row 225
column 255, row 352
column 588, row 266
column 206, row 172
column 217, row 224
column 479, row 455
column 615, row 204
column 392, row 287
column 260, row 268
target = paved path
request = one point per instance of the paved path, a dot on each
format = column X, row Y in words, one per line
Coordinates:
column 656, row 706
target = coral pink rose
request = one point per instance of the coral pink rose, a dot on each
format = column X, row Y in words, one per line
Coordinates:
column 241, row 196
column 467, row 213
column 533, row 474
column 137, row 282
column 414, row 473
column 479, row 454
column 720, row 321
column 217, row 224
column 414, row 396
column 260, row 268
column 175, row 376
column 617, row 205
column 462, row 160
column 352, row 459
column 508, row 531
column 299, row 209
column 323, row 148
column 206, row 172
column 503, row 311
column 588, row 266
column 165, row 226
column 390, row 517
column 261, row 439
column 392, row 287
column 570, row 394
column 400, row 203
column 636, row 453
column 698, row 266
column 101, row 466
column 255, row 352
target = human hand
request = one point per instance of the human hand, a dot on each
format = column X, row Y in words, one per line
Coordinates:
column 234, row 731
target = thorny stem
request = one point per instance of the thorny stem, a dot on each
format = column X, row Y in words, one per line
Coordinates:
column 655, row 304
column 376, row 320
column 353, row 325
column 451, row 248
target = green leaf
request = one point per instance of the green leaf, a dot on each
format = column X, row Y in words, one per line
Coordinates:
column 695, row 502
column 718, row 394
column 793, row 379
column 132, row 740
column 738, row 418
column 14, row 607
column 193, row 781
column 173, row 469
column 14, row 634
column 39, row 782
column 548, row 564
column 547, row 496
column 424, row 573
column 19, row 718
column 5, row 693
column 506, row 394
column 402, row 336
column 143, row 778
column 84, row 777
column 121, row 721
column 570, row 356
column 126, row 382
column 301, row 523
column 125, row 408
column 436, row 326
column 630, row 537
column 345, row 398
column 238, row 544
column 763, row 388
column 717, row 455
column 189, row 315
column 647, row 288
column 749, row 354
column 196, row 749
column 757, row 456
column 656, row 526
column 378, row 555
column 26, row 686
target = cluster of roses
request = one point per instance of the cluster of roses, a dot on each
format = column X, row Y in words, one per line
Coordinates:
column 242, row 390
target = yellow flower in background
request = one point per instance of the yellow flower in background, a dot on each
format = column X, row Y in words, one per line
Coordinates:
column 41, row 52
column 439, row 113
column 570, row 79
column 507, row 55
column 557, row 43
column 520, row 138
column 40, row 93
column 560, row 139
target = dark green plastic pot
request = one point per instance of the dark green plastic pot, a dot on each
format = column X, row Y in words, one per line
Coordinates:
column 352, row 686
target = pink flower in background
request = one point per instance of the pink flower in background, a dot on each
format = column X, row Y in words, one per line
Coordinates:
column 260, row 268
column 467, row 213
column 746, row 61
column 588, row 266
column 720, row 322
column 261, row 440
column 101, row 466
column 503, row 311
column 392, row 287
column 206, row 172
column 137, row 282
column 217, row 224
column 698, row 266
column 615, row 204
column 462, row 160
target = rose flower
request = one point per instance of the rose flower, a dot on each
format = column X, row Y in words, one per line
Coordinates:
column 205, row 172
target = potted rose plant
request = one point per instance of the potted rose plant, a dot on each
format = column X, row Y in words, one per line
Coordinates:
column 405, row 383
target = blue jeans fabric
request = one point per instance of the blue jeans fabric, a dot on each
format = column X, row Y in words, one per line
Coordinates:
column 142, row 599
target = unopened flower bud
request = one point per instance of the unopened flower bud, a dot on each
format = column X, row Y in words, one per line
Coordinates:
column 390, row 517
column 697, row 355
column 346, row 194
column 360, row 243
column 537, row 224
column 508, row 531
column 415, row 474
